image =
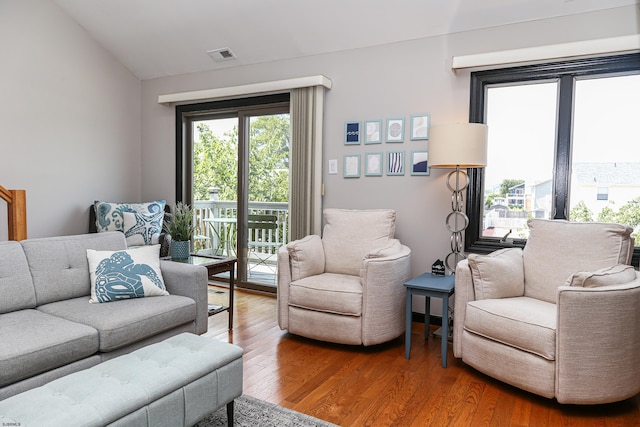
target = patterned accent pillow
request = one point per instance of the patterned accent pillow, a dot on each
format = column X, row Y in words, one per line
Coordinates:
column 119, row 275
column 109, row 216
column 142, row 229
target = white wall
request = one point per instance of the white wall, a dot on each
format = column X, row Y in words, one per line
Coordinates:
column 69, row 119
column 376, row 83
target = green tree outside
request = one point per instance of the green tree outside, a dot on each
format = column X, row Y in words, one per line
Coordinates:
column 215, row 161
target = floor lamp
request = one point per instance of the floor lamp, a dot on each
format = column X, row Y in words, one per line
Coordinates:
column 457, row 146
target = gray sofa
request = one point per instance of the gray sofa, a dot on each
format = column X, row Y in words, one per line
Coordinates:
column 49, row 329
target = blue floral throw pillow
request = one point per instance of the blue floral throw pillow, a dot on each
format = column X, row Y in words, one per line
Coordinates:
column 110, row 216
column 119, row 275
column 142, row 229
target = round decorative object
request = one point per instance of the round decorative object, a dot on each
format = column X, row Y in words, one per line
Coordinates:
column 180, row 249
column 395, row 129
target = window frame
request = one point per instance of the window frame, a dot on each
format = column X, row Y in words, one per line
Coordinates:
column 565, row 72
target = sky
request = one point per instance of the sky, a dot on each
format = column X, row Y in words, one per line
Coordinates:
column 521, row 122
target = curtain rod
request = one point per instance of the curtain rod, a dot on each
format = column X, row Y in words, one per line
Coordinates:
column 556, row 51
column 249, row 89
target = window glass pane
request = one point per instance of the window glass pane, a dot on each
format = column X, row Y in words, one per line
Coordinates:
column 520, row 158
column 605, row 178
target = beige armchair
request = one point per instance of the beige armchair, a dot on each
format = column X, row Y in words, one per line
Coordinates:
column 560, row 318
column 346, row 287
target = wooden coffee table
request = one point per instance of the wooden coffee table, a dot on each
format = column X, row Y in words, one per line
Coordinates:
column 216, row 265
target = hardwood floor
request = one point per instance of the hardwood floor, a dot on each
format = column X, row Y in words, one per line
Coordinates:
column 377, row 386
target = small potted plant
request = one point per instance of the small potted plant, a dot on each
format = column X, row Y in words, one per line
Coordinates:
column 181, row 228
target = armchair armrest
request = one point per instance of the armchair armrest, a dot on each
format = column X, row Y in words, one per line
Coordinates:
column 189, row 281
column 284, row 279
column 597, row 342
column 383, row 293
column 464, row 292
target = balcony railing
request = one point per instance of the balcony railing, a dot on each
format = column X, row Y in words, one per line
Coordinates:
column 216, row 227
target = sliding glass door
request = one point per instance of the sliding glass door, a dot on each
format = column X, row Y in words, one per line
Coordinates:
column 239, row 185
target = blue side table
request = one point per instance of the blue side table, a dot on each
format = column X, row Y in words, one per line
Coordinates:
column 429, row 286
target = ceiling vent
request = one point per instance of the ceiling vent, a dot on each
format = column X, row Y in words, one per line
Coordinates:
column 223, row 54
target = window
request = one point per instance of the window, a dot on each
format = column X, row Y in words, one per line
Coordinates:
column 563, row 144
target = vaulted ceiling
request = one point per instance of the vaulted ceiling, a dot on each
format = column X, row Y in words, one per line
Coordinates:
column 157, row 38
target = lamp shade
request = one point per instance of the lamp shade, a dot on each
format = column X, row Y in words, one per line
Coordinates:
column 461, row 144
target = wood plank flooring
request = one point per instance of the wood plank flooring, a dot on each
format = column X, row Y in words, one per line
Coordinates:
column 377, row 386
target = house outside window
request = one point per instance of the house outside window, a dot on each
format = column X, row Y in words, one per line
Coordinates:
column 559, row 134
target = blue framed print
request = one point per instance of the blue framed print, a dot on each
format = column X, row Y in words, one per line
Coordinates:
column 419, row 162
column 395, row 130
column 373, row 164
column 352, row 133
column 351, row 166
column 395, row 163
column 373, row 132
column 420, row 126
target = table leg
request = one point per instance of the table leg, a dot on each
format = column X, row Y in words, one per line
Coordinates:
column 407, row 340
column 231, row 288
column 445, row 328
column 427, row 316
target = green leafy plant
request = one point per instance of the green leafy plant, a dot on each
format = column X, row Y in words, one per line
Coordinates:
column 181, row 226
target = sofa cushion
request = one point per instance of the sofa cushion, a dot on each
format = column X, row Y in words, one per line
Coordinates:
column 141, row 228
column 556, row 249
column 616, row 275
column 524, row 323
column 34, row 342
column 16, row 287
column 128, row 321
column 306, row 256
column 59, row 265
column 498, row 275
column 328, row 292
column 349, row 235
column 109, row 215
column 132, row 273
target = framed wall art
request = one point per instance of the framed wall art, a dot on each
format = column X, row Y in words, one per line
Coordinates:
column 395, row 130
column 351, row 166
column 352, row 133
column 373, row 164
column 419, row 162
column 373, row 132
column 420, row 126
column 395, row 162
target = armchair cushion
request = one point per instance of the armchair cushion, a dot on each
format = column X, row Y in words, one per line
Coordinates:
column 524, row 323
column 499, row 274
column 367, row 230
column 306, row 256
column 549, row 258
column 616, row 275
column 328, row 292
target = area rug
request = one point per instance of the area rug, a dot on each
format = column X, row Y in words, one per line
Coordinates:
column 252, row 412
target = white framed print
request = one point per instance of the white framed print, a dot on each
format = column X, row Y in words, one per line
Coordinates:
column 420, row 126
column 351, row 166
column 419, row 162
column 395, row 130
column 373, row 163
column 373, row 132
column 395, row 163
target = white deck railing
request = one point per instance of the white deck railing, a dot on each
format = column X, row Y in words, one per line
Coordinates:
column 215, row 222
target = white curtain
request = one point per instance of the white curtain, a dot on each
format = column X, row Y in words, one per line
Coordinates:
column 305, row 198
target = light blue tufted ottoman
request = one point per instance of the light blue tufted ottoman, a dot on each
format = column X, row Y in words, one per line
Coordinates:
column 176, row 382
